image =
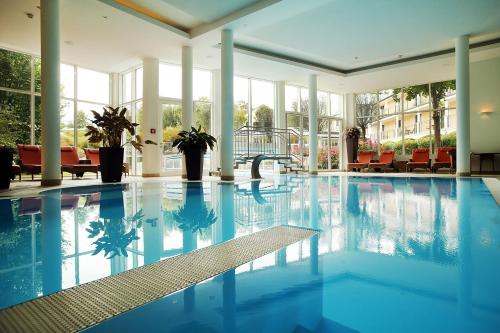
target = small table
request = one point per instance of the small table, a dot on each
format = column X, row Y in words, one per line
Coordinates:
column 486, row 157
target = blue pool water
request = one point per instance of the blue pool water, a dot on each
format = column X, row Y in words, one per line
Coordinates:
column 393, row 255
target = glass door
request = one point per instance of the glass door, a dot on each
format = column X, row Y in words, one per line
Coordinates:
column 171, row 114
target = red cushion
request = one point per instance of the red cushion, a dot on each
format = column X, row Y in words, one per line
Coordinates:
column 30, row 154
column 92, row 155
column 386, row 156
column 69, row 156
column 365, row 156
column 420, row 155
column 442, row 154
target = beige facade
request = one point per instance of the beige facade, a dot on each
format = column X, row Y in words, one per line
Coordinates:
column 412, row 120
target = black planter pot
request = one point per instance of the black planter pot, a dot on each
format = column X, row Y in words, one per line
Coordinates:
column 352, row 149
column 111, row 204
column 111, row 159
column 194, row 163
column 5, row 168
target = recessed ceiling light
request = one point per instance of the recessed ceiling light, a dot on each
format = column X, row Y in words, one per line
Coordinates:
column 209, row 57
column 30, row 15
column 105, row 17
column 355, row 58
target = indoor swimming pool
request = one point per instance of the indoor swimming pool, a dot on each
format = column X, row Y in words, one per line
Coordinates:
column 393, row 254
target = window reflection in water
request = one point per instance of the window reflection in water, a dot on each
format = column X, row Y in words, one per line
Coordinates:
column 396, row 217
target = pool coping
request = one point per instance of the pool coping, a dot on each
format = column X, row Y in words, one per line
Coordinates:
column 493, row 185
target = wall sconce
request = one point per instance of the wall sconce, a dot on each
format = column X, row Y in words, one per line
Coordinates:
column 486, row 112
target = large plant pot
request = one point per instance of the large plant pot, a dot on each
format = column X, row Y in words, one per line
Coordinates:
column 111, row 159
column 194, row 163
column 111, row 204
column 352, row 149
column 5, row 168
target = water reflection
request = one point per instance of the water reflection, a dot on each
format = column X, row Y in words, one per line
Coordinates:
column 46, row 245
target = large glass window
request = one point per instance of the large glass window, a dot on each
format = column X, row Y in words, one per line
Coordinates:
column 170, row 81
column 330, row 109
column 262, row 103
column 241, row 101
column 92, row 86
column 406, row 118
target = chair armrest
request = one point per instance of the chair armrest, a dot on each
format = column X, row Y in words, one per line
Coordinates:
column 410, row 160
column 85, row 161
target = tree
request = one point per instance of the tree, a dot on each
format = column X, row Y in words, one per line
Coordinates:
column 304, row 106
column 264, row 116
column 202, row 115
column 366, row 111
column 240, row 114
column 438, row 93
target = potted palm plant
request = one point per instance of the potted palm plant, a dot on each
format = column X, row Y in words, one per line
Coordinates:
column 108, row 129
column 194, row 144
column 352, row 138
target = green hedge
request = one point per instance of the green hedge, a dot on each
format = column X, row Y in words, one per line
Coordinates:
column 424, row 142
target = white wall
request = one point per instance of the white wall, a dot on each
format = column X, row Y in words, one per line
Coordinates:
column 485, row 94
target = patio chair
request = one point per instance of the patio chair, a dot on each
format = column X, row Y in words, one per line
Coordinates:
column 443, row 159
column 30, row 159
column 364, row 158
column 71, row 163
column 419, row 160
column 385, row 161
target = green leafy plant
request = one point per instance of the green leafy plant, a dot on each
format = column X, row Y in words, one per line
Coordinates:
column 108, row 128
column 352, row 132
column 194, row 220
column 194, row 139
column 115, row 237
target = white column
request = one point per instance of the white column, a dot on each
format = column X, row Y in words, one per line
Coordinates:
column 313, row 124
column 216, row 119
column 115, row 89
column 463, row 105
column 227, row 73
column 280, row 119
column 349, row 121
column 151, row 125
column 187, row 94
column 51, row 155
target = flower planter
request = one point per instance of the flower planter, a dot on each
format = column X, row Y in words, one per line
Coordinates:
column 194, row 163
column 352, row 149
column 111, row 159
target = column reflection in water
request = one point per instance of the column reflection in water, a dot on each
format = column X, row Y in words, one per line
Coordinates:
column 464, row 247
column 314, row 222
column 228, row 278
column 51, row 242
column 152, row 222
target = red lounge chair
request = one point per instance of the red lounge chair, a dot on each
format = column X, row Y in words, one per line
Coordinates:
column 443, row 159
column 364, row 158
column 419, row 159
column 72, row 163
column 30, row 159
column 385, row 161
column 92, row 155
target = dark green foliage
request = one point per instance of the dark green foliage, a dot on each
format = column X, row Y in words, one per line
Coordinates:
column 194, row 139
column 115, row 239
column 108, row 128
column 438, row 92
column 194, row 219
column 264, row 116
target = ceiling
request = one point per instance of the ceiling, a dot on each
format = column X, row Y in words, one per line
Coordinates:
column 107, row 35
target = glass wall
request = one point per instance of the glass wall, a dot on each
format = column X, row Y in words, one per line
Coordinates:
column 254, row 102
column 170, row 91
column 82, row 90
column 403, row 119
column 330, row 108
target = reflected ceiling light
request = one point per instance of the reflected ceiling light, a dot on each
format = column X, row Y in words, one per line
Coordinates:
column 486, row 111
column 400, row 56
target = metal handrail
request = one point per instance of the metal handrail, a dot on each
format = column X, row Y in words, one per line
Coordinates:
column 250, row 141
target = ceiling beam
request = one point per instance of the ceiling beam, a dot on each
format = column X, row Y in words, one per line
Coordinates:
column 146, row 15
column 230, row 18
column 265, row 54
